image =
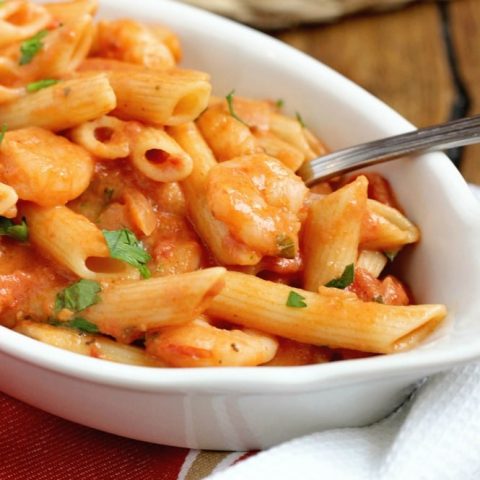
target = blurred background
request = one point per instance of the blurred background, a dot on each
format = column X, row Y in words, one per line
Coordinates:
column 422, row 57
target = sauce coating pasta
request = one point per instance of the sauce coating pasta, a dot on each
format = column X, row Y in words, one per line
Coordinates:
column 145, row 221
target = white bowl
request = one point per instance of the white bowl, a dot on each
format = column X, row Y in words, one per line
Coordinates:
column 253, row 408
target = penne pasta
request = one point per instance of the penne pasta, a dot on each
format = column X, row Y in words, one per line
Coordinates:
column 74, row 242
column 105, row 137
column 159, row 157
column 165, row 301
column 95, row 346
column 334, row 319
column 332, row 233
column 385, row 228
column 64, row 105
column 199, row 344
column 289, row 155
column 152, row 96
column 372, row 261
column 21, row 19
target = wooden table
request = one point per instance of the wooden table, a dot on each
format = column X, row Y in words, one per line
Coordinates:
column 423, row 60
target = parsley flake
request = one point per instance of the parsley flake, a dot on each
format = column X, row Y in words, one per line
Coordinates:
column 229, row 99
column 77, row 323
column 300, row 120
column 345, row 280
column 30, row 47
column 3, row 131
column 18, row 232
column 35, row 86
column 280, row 103
column 108, row 194
column 286, row 246
column 295, row 300
column 391, row 255
column 124, row 245
column 78, row 296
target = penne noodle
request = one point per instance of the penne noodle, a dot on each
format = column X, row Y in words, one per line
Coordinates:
column 290, row 156
column 141, row 211
column 385, row 228
column 74, row 242
column 104, row 137
column 199, row 344
column 165, row 301
column 292, row 132
column 152, row 96
column 332, row 233
column 216, row 235
column 21, row 19
column 159, row 157
column 64, row 105
column 86, row 344
column 70, row 11
column 331, row 318
column 372, row 261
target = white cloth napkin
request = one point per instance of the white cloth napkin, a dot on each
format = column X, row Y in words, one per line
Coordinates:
column 435, row 436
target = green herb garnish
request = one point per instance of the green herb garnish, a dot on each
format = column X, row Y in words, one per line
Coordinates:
column 35, row 86
column 78, row 323
column 3, row 131
column 300, row 120
column 124, row 245
column 229, row 99
column 29, row 48
column 18, row 232
column 295, row 300
column 391, row 254
column 280, row 103
column 78, row 296
column 345, row 280
column 286, row 246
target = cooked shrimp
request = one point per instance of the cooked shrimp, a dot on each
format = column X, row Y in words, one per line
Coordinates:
column 43, row 167
column 259, row 200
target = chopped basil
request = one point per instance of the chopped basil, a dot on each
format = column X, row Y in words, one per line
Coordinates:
column 78, row 323
column 29, row 48
column 18, row 232
column 286, row 246
column 378, row 299
column 3, row 131
column 391, row 254
column 229, row 99
column 35, row 86
column 345, row 280
column 300, row 119
column 124, row 245
column 280, row 103
column 295, row 300
column 78, row 296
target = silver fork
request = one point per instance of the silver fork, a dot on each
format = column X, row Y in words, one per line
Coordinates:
column 457, row 133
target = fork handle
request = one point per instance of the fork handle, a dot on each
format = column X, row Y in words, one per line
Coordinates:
column 457, row 133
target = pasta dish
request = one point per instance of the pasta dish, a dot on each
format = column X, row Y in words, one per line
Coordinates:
column 145, row 221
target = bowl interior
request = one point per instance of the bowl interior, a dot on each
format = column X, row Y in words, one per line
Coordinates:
column 444, row 268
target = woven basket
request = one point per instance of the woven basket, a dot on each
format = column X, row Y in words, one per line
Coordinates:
column 269, row 14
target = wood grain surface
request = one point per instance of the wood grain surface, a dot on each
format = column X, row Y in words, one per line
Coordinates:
column 423, row 60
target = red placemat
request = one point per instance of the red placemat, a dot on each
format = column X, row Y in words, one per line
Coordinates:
column 35, row 445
